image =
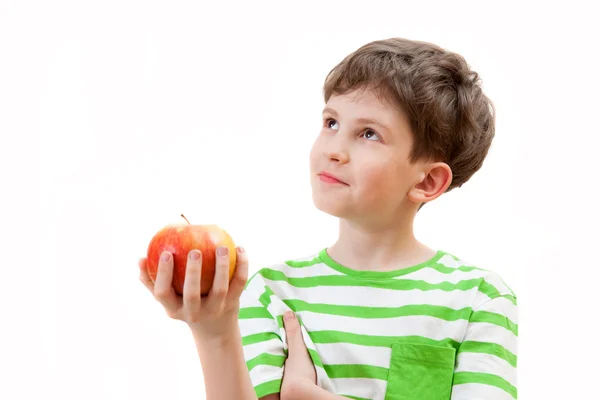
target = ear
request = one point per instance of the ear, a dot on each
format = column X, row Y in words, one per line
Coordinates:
column 434, row 180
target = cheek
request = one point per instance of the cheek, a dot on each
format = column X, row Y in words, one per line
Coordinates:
column 375, row 175
column 379, row 180
column 314, row 153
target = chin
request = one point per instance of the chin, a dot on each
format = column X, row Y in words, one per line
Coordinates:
column 330, row 205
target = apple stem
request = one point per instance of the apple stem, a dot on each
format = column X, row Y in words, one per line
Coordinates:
column 185, row 219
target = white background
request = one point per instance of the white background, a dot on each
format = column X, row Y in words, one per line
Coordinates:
column 118, row 116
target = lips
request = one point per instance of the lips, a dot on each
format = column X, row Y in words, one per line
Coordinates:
column 330, row 177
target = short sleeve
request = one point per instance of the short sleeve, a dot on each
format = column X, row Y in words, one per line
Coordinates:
column 486, row 363
column 261, row 338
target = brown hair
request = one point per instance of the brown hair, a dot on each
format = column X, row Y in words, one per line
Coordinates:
column 452, row 120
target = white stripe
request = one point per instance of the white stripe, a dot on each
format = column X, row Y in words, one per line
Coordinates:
column 502, row 306
column 490, row 333
column 348, row 353
column 249, row 299
column 370, row 296
column 323, row 380
column 449, row 261
column 265, row 373
column 433, row 276
column 251, row 293
column 495, row 280
column 318, row 269
column 430, row 327
column 253, row 326
column 478, row 391
column 361, row 387
column 429, row 275
column 486, row 363
column 273, row 346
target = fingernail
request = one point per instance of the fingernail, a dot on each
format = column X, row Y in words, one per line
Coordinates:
column 165, row 256
column 194, row 255
column 221, row 251
column 241, row 249
column 288, row 316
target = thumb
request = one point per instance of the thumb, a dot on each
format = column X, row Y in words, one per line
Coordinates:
column 292, row 331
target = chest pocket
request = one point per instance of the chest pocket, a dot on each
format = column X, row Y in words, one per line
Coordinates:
column 419, row 371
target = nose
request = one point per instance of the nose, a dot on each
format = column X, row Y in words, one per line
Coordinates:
column 334, row 152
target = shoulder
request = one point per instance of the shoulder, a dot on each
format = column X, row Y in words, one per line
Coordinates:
column 292, row 268
column 489, row 283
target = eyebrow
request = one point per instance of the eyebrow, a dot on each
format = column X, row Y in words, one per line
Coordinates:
column 359, row 120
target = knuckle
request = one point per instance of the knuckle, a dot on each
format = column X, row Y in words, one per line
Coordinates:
column 192, row 270
column 192, row 318
column 192, row 297
column 292, row 332
column 219, row 292
column 161, row 294
column 238, row 279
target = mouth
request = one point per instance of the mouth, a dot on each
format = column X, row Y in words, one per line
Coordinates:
column 330, row 178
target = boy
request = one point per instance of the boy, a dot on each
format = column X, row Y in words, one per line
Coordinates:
column 382, row 315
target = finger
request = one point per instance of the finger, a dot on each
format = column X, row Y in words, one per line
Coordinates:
column 191, row 285
column 240, row 276
column 144, row 276
column 220, row 286
column 293, row 334
column 163, row 289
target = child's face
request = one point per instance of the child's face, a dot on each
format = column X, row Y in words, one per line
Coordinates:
column 370, row 157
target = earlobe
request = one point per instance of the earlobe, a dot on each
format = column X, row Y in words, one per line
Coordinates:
column 434, row 183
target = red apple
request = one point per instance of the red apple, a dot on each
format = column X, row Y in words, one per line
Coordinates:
column 179, row 240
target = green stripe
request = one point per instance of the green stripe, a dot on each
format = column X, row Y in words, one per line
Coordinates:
column 393, row 284
column 302, row 264
column 356, row 371
column 489, row 348
column 267, row 388
column 316, row 358
column 512, row 298
column 265, row 297
column 354, row 397
column 485, row 379
column 445, row 313
column 490, row 291
column 258, row 337
column 496, row 319
column 376, row 341
column 448, row 270
column 254, row 312
column 266, row 359
column 438, row 267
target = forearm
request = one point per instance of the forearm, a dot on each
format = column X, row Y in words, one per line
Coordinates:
column 318, row 393
column 310, row 391
column 224, row 368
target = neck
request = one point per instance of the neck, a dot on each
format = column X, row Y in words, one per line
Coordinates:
column 379, row 247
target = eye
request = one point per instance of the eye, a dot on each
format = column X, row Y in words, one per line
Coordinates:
column 329, row 122
column 370, row 133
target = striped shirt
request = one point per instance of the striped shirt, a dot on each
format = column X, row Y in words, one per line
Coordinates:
column 443, row 329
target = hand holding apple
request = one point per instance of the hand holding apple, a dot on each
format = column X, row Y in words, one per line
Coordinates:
column 179, row 240
column 201, row 288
